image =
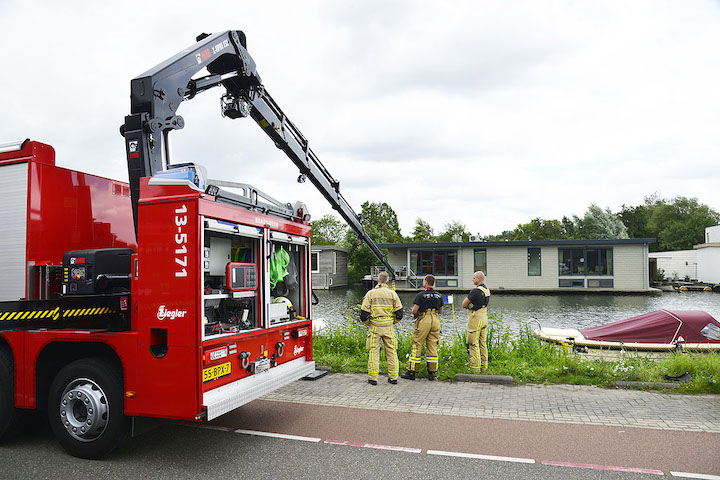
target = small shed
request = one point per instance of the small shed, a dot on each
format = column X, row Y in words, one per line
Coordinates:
column 677, row 263
column 708, row 256
column 329, row 265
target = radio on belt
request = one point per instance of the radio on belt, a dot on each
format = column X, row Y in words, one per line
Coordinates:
column 240, row 276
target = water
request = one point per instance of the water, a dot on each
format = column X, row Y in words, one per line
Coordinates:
column 562, row 311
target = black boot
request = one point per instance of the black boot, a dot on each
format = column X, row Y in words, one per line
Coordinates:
column 408, row 375
column 431, row 375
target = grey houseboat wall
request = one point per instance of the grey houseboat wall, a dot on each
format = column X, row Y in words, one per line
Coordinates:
column 329, row 265
column 619, row 265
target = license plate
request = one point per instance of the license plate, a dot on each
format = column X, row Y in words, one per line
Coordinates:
column 217, row 371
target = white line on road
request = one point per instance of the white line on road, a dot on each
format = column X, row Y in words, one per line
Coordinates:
column 372, row 445
column 701, row 476
column 278, row 435
column 482, row 457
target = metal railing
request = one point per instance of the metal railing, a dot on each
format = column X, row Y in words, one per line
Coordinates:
column 401, row 273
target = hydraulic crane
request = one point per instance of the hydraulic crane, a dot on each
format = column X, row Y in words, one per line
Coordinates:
column 157, row 94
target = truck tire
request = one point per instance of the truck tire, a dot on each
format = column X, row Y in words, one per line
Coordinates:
column 9, row 415
column 85, row 408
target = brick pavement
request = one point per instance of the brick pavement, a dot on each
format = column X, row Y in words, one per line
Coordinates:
column 545, row 403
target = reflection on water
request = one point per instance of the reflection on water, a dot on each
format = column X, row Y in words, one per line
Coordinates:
column 569, row 310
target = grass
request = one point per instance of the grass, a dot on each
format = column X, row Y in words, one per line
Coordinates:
column 520, row 355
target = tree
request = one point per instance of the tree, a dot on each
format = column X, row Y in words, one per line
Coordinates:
column 539, row 229
column 381, row 224
column 681, row 223
column 637, row 218
column 569, row 227
column 598, row 223
column 328, row 230
column 422, row 233
column 455, row 231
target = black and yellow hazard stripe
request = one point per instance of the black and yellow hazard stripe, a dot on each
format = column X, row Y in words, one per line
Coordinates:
column 86, row 312
column 53, row 314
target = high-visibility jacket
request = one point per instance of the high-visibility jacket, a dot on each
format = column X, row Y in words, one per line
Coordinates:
column 382, row 303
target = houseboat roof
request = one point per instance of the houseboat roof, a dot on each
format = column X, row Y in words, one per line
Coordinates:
column 522, row 243
column 329, row 247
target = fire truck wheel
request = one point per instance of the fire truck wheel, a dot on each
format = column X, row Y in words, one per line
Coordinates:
column 9, row 415
column 85, row 408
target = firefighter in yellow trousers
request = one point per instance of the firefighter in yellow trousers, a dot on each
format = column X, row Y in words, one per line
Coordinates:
column 427, row 308
column 476, row 303
column 380, row 310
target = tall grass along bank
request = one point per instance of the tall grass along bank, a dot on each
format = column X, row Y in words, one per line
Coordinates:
column 518, row 354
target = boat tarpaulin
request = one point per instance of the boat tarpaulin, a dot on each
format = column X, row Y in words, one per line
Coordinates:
column 661, row 326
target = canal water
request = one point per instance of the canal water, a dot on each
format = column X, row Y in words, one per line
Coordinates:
column 568, row 310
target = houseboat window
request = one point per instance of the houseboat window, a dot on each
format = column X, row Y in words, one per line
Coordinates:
column 314, row 259
column 577, row 256
column 606, row 261
column 534, row 269
column 436, row 262
column 585, row 261
column 480, row 260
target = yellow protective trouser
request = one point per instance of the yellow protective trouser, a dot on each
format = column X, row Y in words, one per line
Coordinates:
column 477, row 339
column 427, row 331
column 385, row 336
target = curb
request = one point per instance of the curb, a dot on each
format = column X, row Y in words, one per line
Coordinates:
column 465, row 377
column 624, row 384
column 323, row 368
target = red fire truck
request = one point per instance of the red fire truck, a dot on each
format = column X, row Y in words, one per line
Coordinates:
column 174, row 296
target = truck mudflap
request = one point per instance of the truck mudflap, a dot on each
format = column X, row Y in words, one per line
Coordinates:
column 233, row 395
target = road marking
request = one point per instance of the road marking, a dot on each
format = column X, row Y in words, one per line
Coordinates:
column 482, row 457
column 695, row 475
column 203, row 426
column 372, row 445
column 278, row 435
column 604, row 467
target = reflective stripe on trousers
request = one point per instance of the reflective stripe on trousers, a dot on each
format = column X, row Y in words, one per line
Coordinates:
column 477, row 339
column 427, row 332
column 382, row 336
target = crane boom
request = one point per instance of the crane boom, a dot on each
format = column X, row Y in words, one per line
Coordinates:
column 157, row 94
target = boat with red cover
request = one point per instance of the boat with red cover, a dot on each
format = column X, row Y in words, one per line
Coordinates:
column 661, row 330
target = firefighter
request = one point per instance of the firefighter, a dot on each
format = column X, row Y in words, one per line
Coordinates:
column 426, row 310
column 476, row 303
column 380, row 310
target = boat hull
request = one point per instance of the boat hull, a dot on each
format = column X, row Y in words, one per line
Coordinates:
column 573, row 336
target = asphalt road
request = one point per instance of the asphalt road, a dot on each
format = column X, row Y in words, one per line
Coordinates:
column 179, row 452
column 639, row 448
column 334, row 441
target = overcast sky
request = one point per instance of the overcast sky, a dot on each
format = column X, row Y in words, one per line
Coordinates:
column 490, row 113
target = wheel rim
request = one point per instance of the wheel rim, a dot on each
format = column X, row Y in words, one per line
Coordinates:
column 84, row 410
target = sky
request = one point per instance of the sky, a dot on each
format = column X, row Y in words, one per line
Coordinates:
column 491, row 113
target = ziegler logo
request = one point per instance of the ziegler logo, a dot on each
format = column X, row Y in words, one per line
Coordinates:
column 298, row 350
column 162, row 313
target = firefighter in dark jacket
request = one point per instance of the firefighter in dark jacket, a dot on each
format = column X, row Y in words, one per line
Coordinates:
column 380, row 310
column 476, row 303
column 427, row 308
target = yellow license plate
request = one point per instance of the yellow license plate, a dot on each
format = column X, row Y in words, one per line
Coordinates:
column 217, row 371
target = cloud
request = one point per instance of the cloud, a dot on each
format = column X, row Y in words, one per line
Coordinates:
column 492, row 113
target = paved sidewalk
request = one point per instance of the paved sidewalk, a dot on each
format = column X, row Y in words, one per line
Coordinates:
column 544, row 403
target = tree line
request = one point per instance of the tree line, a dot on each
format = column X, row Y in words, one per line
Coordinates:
column 676, row 224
